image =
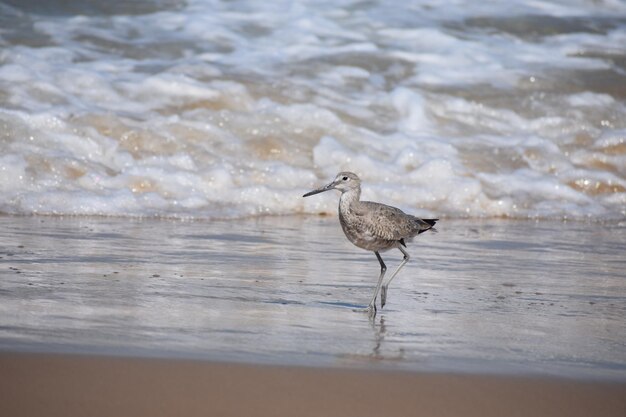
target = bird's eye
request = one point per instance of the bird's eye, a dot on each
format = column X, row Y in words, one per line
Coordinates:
column 345, row 178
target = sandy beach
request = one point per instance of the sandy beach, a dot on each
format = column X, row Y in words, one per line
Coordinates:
column 103, row 386
column 105, row 316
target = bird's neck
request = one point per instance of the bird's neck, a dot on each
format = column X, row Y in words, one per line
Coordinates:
column 348, row 198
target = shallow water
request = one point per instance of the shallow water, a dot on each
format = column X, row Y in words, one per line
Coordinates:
column 212, row 109
column 503, row 297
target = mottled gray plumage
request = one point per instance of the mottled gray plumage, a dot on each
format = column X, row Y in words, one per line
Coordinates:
column 373, row 226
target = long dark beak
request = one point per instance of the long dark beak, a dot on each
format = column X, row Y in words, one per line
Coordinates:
column 321, row 189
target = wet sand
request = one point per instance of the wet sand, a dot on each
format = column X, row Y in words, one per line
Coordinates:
column 151, row 316
column 54, row 385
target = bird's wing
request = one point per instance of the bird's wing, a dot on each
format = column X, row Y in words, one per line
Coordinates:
column 386, row 222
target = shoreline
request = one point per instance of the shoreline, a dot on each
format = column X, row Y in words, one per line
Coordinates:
column 584, row 220
column 72, row 385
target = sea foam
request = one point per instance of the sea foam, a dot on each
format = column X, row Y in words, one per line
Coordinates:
column 206, row 109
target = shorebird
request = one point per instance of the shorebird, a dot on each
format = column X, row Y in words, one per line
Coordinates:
column 374, row 227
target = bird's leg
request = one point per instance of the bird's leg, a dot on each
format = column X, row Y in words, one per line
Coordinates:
column 383, row 290
column 372, row 306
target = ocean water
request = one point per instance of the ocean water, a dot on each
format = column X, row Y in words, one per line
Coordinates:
column 223, row 109
column 481, row 296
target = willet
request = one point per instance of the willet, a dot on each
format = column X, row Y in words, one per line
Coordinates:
column 373, row 226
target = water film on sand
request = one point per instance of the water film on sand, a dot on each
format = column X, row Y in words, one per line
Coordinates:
column 493, row 296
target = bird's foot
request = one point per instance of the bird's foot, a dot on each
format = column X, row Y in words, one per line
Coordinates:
column 370, row 310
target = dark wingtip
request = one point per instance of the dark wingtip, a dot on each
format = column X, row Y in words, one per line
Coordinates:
column 431, row 221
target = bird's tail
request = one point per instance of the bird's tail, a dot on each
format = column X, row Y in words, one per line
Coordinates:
column 428, row 224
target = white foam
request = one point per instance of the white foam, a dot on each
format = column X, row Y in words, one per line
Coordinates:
column 12, row 173
column 229, row 110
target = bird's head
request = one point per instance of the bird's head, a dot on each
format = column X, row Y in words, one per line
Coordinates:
column 344, row 181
